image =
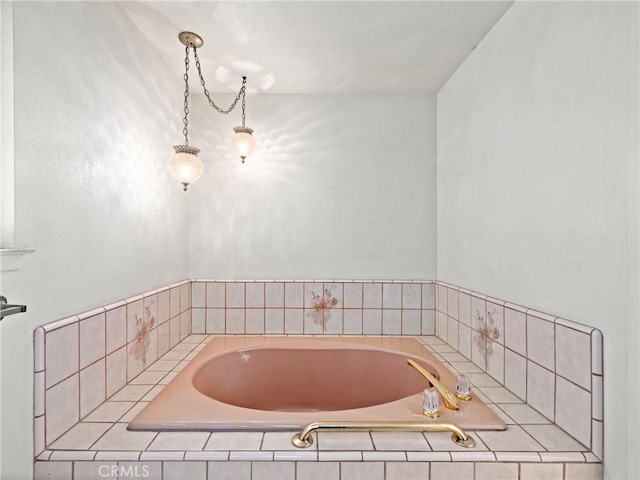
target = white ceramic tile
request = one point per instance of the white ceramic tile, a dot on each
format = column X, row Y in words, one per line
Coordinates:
column 163, row 366
column 441, row 326
column 235, row 295
column 235, row 320
column 407, row 471
column 216, row 294
column 293, row 295
column 184, row 470
column 92, row 339
column 413, row 441
column 38, row 349
column 411, row 296
column 255, row 320
column 371, row 321
column 229, row 441
column 92, row 387
column 152, row 469
column 207, row 456
column 573, row 410
column 95, row 470
column 254, row 295
column 411, row 322
column 541, row 389
column 451, row 471
column 274, row 320
column 597, row 439
column 553, row 438
column 496, row 471
column 441, row 298
column 52, row 470
column 135, row 319
column 131, row 393
column 296, row 456
column 334, row 294
column 478, row 312
column 61, row 353
column 499, row 395
column 452, row 303
column 362, row 471
column 116, row 328
column 274, row 295
column 229, row 471
column 63, row 407
column 344, row 441
column 384, row 456
column 174, row 331
column 523, row 414
column 596, row 352
column 135, row 363
column 198, row 294
column 164, row 299
column 353, row 321
column 391, row 295
column 81, row 436
column 168, row 456
column 117, row 455
column 597, row 398
column 273, row 470
column 313, row 321
column 38, row 394
column 318, row 470
column 391, row 322
column 428, row 457
column 281, row 441
column 215, row 318
column 38, row 435
column 518, row 457
column 495, row 360
column 133, row 411
column 334, row 321
column 185, row 324
column 428, row 296
column 353, row 295
column 562, row 457
column 174, row 302
column 479, row 349
column 151, row 394
column 541, row 342
column 198, row 320
column 483, row 380
column 428, row 322
column 464, row 309
column 583, row 471
column 109, row 412
column 372, row 296
column 541, row 471
column 495, row 321
column 514, row 439
column 464, row 340
column 116, row 371
column 163, row 338
column 251, row 456
column 185, row 296
column 472, row 456
column 332, row 456
column 118, row 438
column 573, row 356
column 515, row 331
column 515, row 373
column 293, row 320
column 452, row 332
column 179, row 441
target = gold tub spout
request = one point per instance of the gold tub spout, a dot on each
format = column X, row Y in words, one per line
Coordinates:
column 304, row 439
column 450, row 400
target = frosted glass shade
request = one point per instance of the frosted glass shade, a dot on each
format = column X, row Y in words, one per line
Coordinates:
column 242, row 143
column 185, row 166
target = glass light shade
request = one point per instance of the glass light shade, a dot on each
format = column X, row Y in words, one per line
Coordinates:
column 185, row 166
column 242, row 143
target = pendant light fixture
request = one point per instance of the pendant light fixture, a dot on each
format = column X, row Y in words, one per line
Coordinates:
column 184, row 165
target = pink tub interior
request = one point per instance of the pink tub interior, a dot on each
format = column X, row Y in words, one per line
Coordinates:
column 304, row 380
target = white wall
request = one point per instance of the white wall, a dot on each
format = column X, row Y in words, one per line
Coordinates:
column 342, row 187
column 538, row 182
column 96, row 113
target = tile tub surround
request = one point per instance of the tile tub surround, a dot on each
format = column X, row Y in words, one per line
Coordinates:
column 553, row 364
column 313, row 307
column 82, row 360
column 98, row 445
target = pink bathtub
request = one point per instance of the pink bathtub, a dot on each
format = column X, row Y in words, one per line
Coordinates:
column 280, row 383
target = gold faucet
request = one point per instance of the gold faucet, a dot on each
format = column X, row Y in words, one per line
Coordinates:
column 450, row 400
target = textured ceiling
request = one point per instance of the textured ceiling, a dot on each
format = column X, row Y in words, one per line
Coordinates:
column 321, row 46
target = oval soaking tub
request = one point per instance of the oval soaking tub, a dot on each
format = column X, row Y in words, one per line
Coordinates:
column 280, row 383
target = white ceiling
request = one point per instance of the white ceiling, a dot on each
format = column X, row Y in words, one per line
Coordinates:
column 321, row 46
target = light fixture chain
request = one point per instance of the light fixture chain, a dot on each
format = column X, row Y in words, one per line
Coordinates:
column 185, row 120
column 206, row 92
